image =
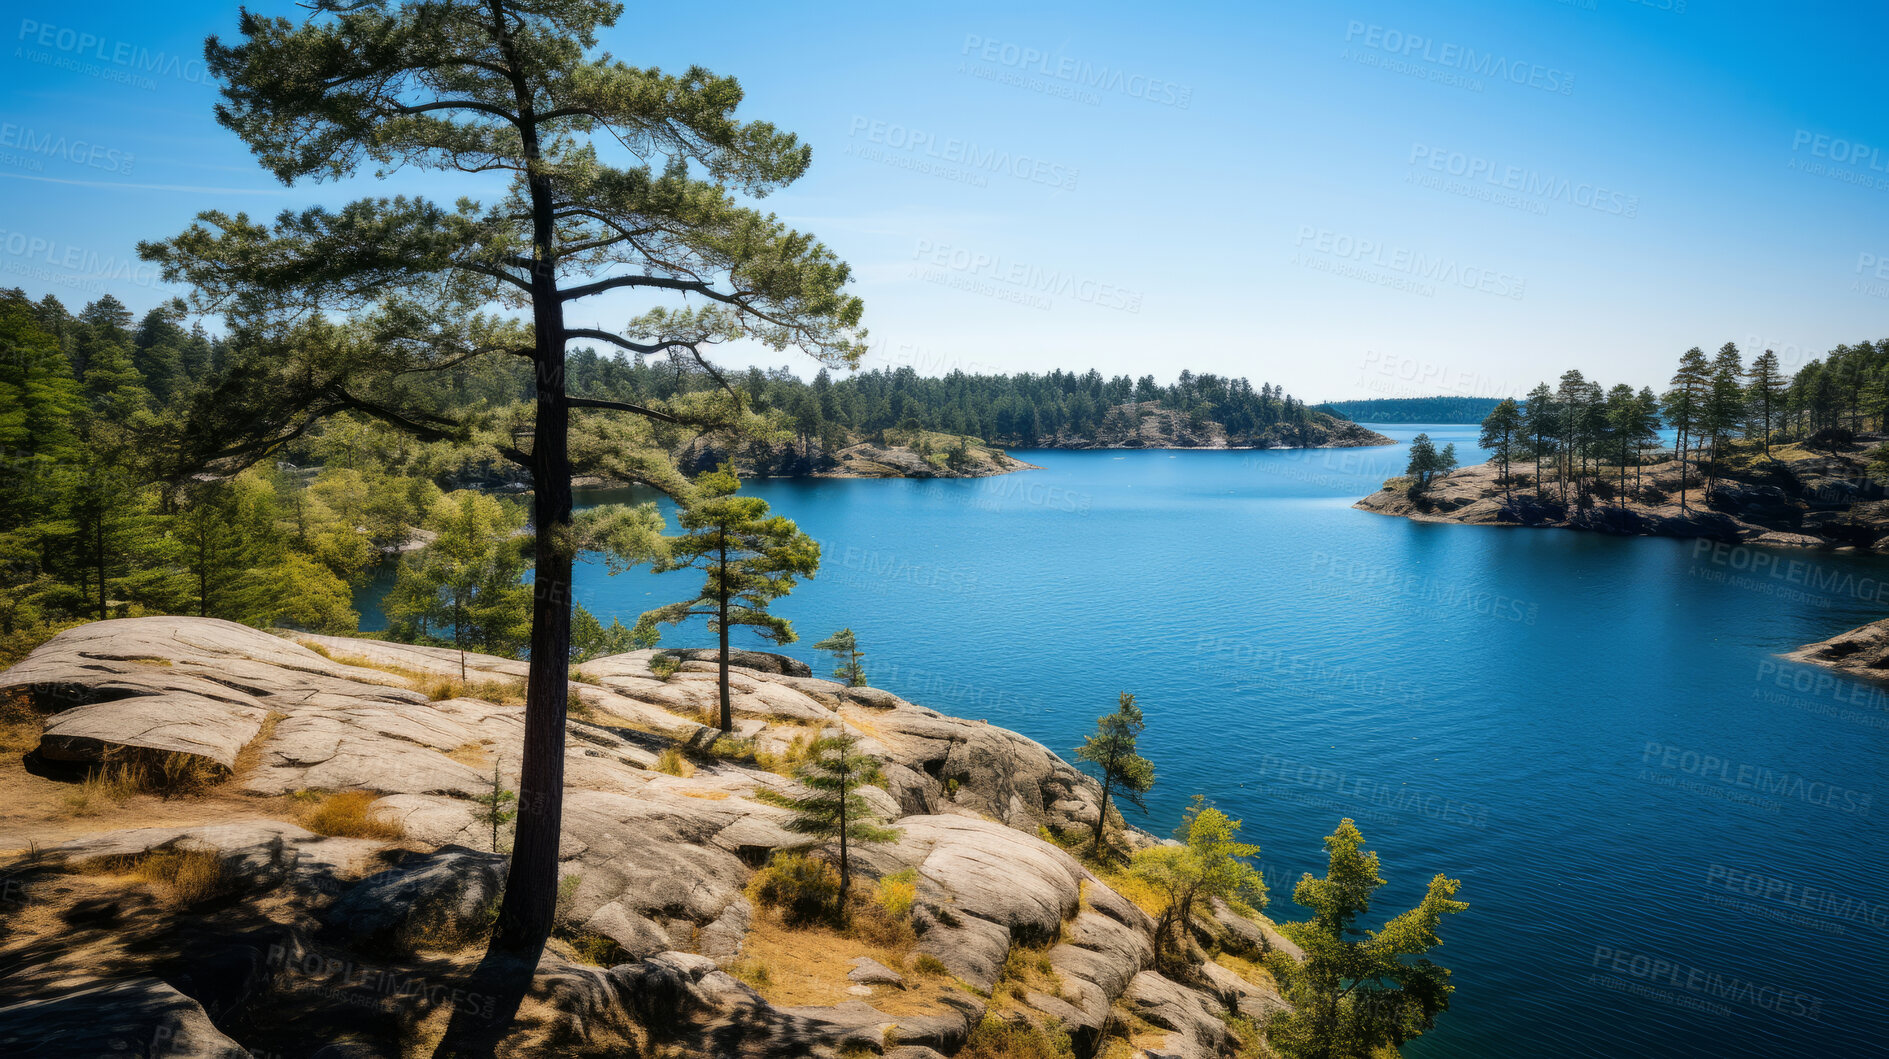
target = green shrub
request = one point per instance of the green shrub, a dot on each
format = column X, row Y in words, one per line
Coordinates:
column 995, row 1038
column 897, row 892
column 664, row 666
column 802, row 889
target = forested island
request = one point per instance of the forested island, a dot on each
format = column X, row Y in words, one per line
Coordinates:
column 1442, row 409
column 1760, row 457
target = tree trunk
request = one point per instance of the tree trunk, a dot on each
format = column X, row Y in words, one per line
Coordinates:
column 530, row 905
column 727, row 710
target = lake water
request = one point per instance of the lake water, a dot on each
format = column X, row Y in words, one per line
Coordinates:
column 1669, row 840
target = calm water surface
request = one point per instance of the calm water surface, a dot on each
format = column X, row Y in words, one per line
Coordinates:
column 1670, row 841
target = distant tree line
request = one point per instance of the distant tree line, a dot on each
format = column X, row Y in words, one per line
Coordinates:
column 1413, row 409
column 1580, row 439
column 1024, row 410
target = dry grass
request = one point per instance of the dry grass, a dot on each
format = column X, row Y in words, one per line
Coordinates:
column 789, row 759
column 251, row 754
column 20, row 725
column 121, row 774
column 796, row 966
column 473, row 754
column 707, row 796
column 671, row 762
column 346, row 814
column 995, row 1038
column 503, row 691
column 183, row 877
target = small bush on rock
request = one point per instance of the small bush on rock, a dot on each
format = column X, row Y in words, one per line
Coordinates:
column 802, row 889
column 995, row 1038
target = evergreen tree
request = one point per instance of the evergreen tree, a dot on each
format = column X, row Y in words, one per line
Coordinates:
column 751, row 559
column 1765, row 395
column 226, row 536
column 1209, row 864
column 469, row 583
column 1685, row 405
column 1426, row 463
column 1502, row 434
column 1724, row 408
column 849, row 662
column 515, row 89
column 1356, row 993
column 1112, row 749
column 833, row 810
column 1538, row 423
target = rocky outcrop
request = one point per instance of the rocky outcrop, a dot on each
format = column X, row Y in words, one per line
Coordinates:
column 655, row 866
column 861, row 459
column 1862, row 652
column 1818, row 501
column 1148, row 425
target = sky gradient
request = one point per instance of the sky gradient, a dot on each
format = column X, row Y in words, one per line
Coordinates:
column 1358, row 199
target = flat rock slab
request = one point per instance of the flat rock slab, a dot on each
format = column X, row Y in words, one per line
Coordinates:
column 142, row 1016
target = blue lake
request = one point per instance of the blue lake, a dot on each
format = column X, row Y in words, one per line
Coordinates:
column 1670, row 840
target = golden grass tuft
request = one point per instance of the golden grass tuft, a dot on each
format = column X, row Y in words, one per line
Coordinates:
column 671, row 762
column 347, row 814
column 183, row 877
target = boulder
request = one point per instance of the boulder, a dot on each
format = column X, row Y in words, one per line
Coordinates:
column 868, row 971
column 448, row 891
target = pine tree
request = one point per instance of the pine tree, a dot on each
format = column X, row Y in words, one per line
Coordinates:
column 1113, row 750
column 495, row 805
column 833, row 810
column 1765, row 394
column 1357, row 992
column 516, row 93
column 849, row 662
column 1685, row 405
column 467, row 584
column 1209, row 864
column 1538, row 422
column 1724, row 408
column 751, row 560
column 1501, row 433
column 1426, row 463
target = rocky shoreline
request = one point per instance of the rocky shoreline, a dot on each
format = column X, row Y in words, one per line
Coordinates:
column 1798, row 500
column 1862, row 652
column 291, row 945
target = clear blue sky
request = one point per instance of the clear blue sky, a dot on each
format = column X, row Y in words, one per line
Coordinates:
column 1357, row 199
